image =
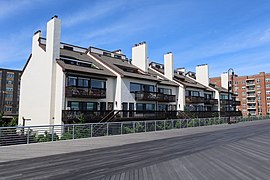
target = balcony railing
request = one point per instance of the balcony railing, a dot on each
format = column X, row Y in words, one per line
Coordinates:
column 230, row 102
column 85, row 92
column 211, row 101
column 154, row 96
column 74, row 116
column 194, row 99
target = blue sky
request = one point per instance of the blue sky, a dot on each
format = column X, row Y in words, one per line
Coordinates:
column 220, row 33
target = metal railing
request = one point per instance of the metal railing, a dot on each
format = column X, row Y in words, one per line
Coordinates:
column 37, row 134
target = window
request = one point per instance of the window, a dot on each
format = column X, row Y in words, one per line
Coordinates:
column 98, row 84
column 10, row 75
column 9, row 95
column 243, row 93
column 267, row 80
column 267, row 92
column 9, row 89
column 235, row 82
column 268, row 98
column 9, row 109
column 259, row 92
column 268, row 104
column 145, row 107
column 165, row 91
column 243, row 99
column 258, row 87
column 9, row 82
column 243, row 82
column 8, row 102
column 243, row 87
column 194, row 93
column 75, row 105
column 71, row 81
column 258, row 80
column 83, row 82
column 134, row 87
column 267, row 85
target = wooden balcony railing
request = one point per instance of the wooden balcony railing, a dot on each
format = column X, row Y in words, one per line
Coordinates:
column 211, row 101
column 230, row 102
column 85, row 92
column 154, row 96
column 194, row 99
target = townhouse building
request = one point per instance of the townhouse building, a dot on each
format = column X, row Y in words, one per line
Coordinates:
column 64, row 83
column 60, row 82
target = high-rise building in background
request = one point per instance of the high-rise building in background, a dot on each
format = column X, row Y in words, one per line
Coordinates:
column 253, row 91
column 9, row 92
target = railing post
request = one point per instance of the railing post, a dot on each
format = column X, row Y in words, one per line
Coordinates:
column 28, row 137
column 155, row 125
column 172, row 124
column 73, row 132
column 144, row 126
column 193, row 122
column 107, row 129
column 91, row 135
column 52, row 132
column 134, row 126
column 121, row 128
column 164, row 124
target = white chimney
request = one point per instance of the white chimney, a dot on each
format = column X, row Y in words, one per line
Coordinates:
column 224, row 80
column 53, row 38
column 168, row 66
column 35, row 42
column 140, row 56
column 202, row 74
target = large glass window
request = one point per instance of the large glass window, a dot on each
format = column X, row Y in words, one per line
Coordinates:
column 145, row 107
column 149, row 88
column 135, row 87
column 71, row 81
column 98, row 84
column 83, row 82
column 75, row 105
column 165, row 91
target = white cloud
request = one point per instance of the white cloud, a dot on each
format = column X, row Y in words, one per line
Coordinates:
column 92, row 13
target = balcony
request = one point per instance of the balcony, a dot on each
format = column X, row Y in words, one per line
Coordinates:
column 154, row 96
column 250, row 83
column 74, row 116
column 251, row 95
column 211, row 101
column 85, row 92
column 230, row 102
column 251, row 107
column 250, row 89
column 194, row 99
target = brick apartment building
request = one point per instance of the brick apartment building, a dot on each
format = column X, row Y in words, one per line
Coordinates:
column 9, row 92
column 253, row 92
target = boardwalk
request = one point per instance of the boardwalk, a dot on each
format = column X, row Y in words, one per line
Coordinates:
column 239, row 151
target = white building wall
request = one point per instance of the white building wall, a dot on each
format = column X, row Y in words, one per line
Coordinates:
column 168, row 66
column 140, row 56
column 202, row 74
column 224, row 80
column 40, row 97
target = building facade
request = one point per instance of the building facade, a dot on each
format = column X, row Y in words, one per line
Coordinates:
column 64, row 83
column 9, row 92
column 253, row 91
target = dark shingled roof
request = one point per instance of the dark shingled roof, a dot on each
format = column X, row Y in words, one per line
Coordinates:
column 83, row 57
column 186, row 81
column 121, row 66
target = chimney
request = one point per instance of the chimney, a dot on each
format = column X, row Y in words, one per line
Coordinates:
column 202, row 74
column 168, row 66
column 140, row 56
column 53, row 38
column 35, row 39
column 224, row 80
